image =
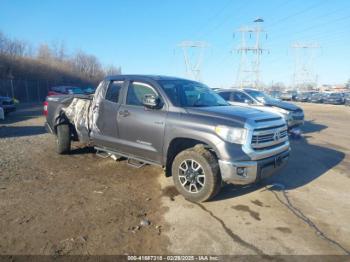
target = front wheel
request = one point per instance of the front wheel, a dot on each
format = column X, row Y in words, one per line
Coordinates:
column 196, row 174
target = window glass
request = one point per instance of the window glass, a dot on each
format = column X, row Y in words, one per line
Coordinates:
column 75, row 90
column 136, row 93
column 260, row 96
column 225, row 95
column 240, row 97
column 187, row 93
column 113, row 91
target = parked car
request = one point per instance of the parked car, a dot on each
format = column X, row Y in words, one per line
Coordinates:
column 293, row 114
column 8, row 104
column 65, row 90
column 275, row 94
column 347, row 99
column 303, row 97
column 180, row 125
column 335, row 99
column 89, row 90
column 318, row 97
column 2, row 113
column 289, row 95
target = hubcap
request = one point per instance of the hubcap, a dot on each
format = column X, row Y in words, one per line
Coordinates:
column 191, row 176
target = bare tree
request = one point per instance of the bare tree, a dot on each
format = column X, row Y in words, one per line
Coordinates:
column 49, row 64
column 87, row 65
column 59, row 50
column 112, row 70
column 44, row 52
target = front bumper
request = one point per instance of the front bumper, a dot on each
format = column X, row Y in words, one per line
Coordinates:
column 253, row 170
column 295, row 122
column 335, row 102
column 9, row 109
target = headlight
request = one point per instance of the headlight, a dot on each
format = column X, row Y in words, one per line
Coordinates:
column 232, row 134
column 287, row 115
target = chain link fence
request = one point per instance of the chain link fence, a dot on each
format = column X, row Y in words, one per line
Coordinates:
column 29, row 90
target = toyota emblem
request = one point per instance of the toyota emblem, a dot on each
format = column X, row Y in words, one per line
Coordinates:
column 276, row 135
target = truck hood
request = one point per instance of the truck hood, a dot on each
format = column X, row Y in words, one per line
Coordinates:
column 238, row 114
column 282, row 104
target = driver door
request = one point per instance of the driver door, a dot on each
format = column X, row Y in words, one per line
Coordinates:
column 141, row 130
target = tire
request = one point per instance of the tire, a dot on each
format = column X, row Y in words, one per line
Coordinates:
column 200, row 185
column 63, row 139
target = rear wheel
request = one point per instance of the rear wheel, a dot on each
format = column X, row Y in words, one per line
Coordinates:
column 63, row 139
column 196, row 174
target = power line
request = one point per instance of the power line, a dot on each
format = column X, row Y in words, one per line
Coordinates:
column 330, row 22
column 208, row 21
column 278, row 22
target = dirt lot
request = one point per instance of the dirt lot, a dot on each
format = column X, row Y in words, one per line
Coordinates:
column 84, row 204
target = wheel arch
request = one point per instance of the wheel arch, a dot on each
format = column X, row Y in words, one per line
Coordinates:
column 180, row 144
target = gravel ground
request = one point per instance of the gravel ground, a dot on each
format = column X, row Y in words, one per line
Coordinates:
column 76, row 204
column 84, row 204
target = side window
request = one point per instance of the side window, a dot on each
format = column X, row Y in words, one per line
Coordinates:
column 113, row 91
column 136, row 93
column 240, row 97
column 225, row 95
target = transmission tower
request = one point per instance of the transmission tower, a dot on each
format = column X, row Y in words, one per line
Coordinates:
column 193, row 63
column 250, row 50
column 304, row 76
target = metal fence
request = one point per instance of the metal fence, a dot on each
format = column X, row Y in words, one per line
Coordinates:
column 28, row 90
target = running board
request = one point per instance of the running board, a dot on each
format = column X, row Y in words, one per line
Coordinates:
column 135, row 163
column 131, row 160
column 102, row 154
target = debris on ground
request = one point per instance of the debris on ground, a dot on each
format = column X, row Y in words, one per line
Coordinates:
column 145, row 222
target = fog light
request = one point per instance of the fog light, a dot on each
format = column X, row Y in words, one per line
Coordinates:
column 241, row 171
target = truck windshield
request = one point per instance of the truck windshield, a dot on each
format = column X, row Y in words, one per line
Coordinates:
column 185, row 93
column 260, row 96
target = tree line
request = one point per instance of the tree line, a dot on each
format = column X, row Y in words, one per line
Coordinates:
column 20, row 61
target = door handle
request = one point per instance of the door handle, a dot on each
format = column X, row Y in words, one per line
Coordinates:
column 124, row 113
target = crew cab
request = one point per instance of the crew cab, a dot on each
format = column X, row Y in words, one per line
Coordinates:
column 178, row 124
column 247, row 97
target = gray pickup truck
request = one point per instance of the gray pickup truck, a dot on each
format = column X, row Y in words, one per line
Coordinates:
column 180, row 125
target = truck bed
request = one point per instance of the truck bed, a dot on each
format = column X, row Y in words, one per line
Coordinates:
column 77, row 109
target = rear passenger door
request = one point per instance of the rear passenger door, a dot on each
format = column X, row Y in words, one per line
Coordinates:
column 141, row 130
column 107, row 117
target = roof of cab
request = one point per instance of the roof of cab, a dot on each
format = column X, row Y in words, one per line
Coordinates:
column 143, row 77
column 231, row 89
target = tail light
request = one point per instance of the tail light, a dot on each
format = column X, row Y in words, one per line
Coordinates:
column 45, row 108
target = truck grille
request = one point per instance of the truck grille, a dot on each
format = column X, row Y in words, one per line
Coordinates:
column 269, row 138
column 298, row 117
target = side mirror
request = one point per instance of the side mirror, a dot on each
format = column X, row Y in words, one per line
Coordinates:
column 151, row 101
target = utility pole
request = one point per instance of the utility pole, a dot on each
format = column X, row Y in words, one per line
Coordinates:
column 250, row 55
column 193, row 68
column 304, row 59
